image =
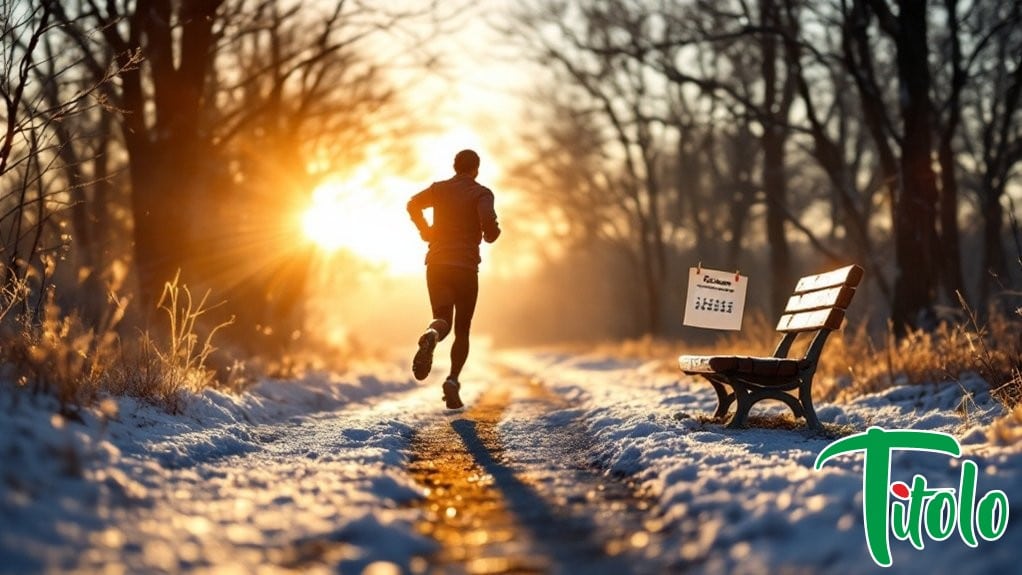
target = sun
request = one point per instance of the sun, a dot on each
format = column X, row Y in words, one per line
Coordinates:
column 369, row 223
column 365, row 215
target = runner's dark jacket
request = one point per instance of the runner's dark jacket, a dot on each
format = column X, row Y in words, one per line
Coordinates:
column 463, row 216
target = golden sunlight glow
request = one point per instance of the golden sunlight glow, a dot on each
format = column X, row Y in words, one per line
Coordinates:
column 437, row 152
column 365, row 213
column 371, row 224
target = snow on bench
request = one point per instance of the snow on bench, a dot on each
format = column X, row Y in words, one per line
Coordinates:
column 817, row 307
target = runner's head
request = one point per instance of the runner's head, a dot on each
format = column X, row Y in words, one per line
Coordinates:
column 466, row 162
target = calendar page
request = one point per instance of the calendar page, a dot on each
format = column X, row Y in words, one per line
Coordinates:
column 716, row 299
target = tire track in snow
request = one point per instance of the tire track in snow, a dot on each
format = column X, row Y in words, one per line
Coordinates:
column 491, row 514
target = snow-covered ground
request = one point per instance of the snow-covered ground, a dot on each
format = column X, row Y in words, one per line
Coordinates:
column 312, row 475
column 749, row 501
column 295, row 475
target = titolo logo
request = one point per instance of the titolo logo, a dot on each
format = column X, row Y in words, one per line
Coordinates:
column 918, row 509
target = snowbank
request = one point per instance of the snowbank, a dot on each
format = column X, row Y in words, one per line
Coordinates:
column 749, row 501
column 306, row 475
column 311, row 475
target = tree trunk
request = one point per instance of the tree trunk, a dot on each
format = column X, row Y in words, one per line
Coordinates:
column 164, row 140
column 738, row 211
column 847, row 213
column 159, row 215
column 857, row 58
column 99, row 209
column 776, row 104
column 658, row 247
column 995, row 263
column 950, row 257
column 915, row 220
column 773, row 188
column 651, row 282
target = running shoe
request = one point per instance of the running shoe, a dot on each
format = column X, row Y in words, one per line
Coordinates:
column 423, row 361
column 451, row 398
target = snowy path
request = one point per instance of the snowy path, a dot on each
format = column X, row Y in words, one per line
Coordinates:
column 302, row 476
column 326, row 477
column 331, row 490
column 312, row 493
column 548, row 509
column 367, row 473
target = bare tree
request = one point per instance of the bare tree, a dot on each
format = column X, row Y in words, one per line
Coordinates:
column 35, row 185
column 232, row 103
column 749, row 74
column 623, row 92
column 298, row 102
column 161, row 110
column 845, row 103
column 992, row 134
column 836, row 141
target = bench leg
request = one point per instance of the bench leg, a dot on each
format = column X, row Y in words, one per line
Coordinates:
column 741, row 417
column 747, row 398
column 805, row 397
column 724, row 399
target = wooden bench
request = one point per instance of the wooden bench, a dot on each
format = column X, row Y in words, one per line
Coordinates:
column 816, row 307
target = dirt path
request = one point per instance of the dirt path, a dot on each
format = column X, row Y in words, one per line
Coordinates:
column 552, row 513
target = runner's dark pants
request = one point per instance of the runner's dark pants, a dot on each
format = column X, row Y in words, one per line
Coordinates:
column 453, row 291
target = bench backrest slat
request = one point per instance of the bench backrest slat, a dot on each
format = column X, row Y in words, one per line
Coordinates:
column 839, row 296
column 819, row 301
column 848, row 275
column 830, row 318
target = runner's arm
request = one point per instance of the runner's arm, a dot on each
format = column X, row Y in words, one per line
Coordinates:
column 488, row 217
column 419, row 202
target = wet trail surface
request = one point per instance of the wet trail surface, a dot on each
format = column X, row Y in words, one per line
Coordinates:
column 509, row 488
column 538, row 509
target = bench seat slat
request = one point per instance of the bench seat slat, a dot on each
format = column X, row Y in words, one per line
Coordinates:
column 739, row 365
column 848, row 275
column 839, row 296
column 811, row 320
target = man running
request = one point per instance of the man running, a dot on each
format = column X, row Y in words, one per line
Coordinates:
column 463, row 215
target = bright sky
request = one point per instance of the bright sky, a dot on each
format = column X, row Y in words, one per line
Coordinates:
column 366, row 214
column 471, row 102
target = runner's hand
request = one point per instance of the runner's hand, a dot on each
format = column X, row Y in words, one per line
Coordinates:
column 426, row 233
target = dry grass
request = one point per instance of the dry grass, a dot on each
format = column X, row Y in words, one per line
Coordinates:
column 1008, row 429
column 185, row 354
column 854, row 363
column 57, row 353
column 757, row 337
